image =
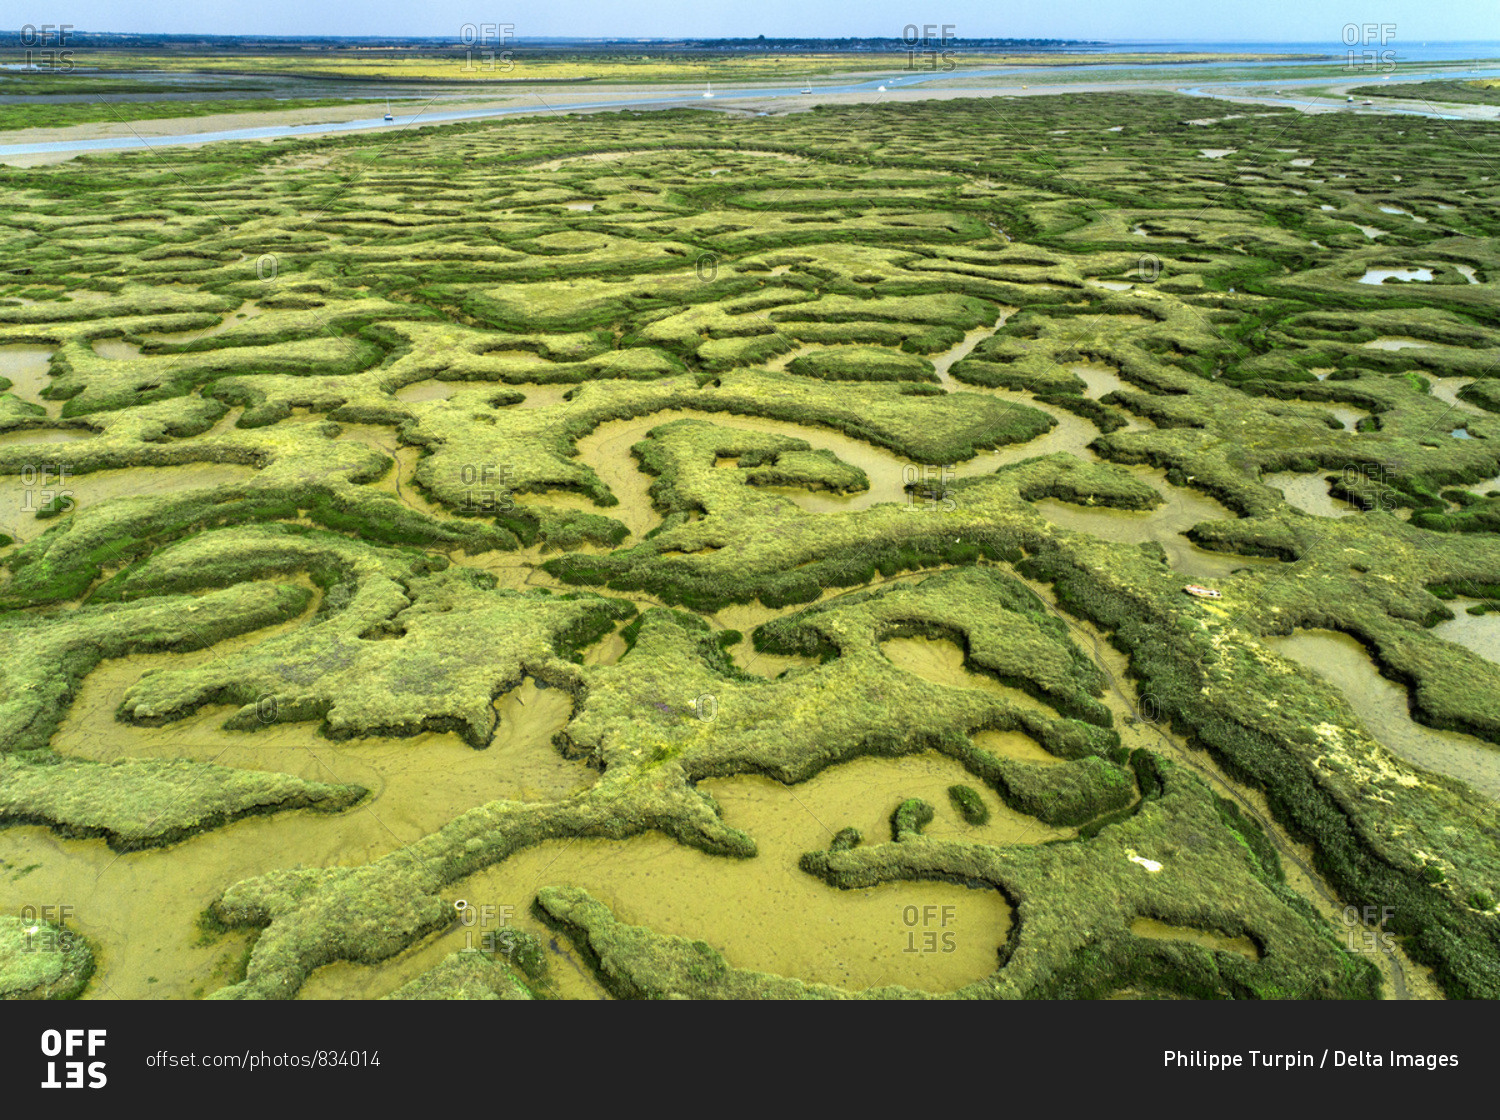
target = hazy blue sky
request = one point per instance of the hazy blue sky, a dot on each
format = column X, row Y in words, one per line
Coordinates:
column 1244, row 20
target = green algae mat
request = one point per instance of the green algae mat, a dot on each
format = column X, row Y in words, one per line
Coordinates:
column 663, row 555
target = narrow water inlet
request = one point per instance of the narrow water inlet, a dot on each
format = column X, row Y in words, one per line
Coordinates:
column 1208, row 939
column 26, row 368
column 1309, row 492
column 1477, row 633
column 1381, row 275
column 1383, row 707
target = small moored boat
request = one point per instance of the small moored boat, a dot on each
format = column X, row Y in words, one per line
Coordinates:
column 1203, row 592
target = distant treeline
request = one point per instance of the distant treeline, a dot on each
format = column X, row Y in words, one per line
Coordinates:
column 928, row 37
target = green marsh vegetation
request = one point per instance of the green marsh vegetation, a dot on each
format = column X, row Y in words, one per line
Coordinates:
column 416, row 346
column 1468, row 93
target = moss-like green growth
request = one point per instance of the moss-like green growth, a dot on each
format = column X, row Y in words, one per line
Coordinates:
column 461, row 644
column 969, row 804
column 471, row 974
column 40, row 959
column 46, row 658
column 374, row 449
column 752, row 546
column 846, row 838
column 861, row 363
column 147, row 803
column 910, row 817
column 1318, row 770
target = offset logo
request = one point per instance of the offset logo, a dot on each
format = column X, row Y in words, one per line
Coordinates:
column 75, row 1046
column 920, row 938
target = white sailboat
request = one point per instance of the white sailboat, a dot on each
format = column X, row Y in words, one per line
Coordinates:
column 388, row 115
column 709, row 92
